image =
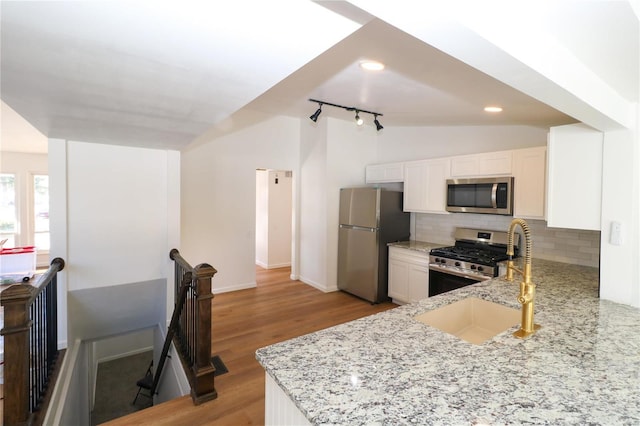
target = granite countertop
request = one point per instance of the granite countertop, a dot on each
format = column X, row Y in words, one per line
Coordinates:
column 582, row 366
column 416, row 245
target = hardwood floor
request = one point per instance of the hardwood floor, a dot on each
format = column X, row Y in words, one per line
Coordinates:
column 243, row 321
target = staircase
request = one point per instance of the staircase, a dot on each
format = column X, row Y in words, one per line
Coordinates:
column 30, row 347
column 30, row 334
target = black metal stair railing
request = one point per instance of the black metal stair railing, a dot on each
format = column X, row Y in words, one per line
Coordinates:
column 31, row 345
column 190, row 328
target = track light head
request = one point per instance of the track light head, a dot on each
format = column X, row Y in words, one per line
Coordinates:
column 315, row 115
column 377, row 123
column 359, row 120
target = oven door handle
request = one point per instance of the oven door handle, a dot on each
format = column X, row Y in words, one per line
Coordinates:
column 494, row 195
column 459, row 274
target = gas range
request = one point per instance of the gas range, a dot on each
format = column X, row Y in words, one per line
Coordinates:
column 475, row 255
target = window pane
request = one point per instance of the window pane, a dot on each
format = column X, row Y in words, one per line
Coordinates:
column 8, row 219
column 41, row 210
column 11, row 240
column 42, row 241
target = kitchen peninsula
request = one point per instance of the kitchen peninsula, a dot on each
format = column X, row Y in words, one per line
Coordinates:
column 582, row 366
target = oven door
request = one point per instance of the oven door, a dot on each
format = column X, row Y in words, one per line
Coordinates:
column 441, row 282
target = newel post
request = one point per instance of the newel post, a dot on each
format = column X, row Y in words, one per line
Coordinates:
column 17, row 323
column 203, row 389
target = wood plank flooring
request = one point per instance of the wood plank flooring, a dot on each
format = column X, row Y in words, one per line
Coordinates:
column 243, row 321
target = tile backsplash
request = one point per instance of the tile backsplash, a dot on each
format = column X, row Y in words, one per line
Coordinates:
column 562, row 245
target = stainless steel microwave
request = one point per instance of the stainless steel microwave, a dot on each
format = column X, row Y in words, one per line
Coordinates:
column 493, row 195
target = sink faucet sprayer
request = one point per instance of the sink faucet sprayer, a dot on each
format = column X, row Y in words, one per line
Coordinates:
column 527, row 288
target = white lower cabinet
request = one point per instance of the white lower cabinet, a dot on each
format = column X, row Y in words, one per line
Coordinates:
column 408, row 275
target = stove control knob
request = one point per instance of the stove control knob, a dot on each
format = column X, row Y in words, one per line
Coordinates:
column 457, row 263
column 473, row 266
column 480, row 269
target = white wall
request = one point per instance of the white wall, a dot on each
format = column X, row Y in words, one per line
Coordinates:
column 349, row 150
column 313, row 204
column 280, row 205
column 414, row 143
column 73, row 381
column 262, row 218
column 115, row 217
column 218, row 196
column 273, row 218
column 334, row 155
column 18, row 135
column 619, row 279
column 117, row 210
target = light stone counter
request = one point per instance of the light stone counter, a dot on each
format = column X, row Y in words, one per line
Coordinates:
column 582, row 367
column 416, row 245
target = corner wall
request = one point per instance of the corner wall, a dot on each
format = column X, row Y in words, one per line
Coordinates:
column 114, row 218
column 273, row 218
column 219, row 196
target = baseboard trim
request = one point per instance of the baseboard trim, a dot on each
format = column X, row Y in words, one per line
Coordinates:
column 237, row 287
column 125, row 354
column 318, row 286
column 273, row 266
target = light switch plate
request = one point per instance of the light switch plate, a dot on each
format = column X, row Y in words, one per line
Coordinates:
column 616, row 233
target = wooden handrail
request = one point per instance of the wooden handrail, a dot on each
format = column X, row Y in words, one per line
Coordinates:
column 30, row 346
column 192, row 337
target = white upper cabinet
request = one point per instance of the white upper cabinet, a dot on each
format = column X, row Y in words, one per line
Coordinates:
column 529, row 173
column 383, row 173
column 464, row 165
column 484, row 164
column 425, row 181
column 574, row 189
column 425, row 186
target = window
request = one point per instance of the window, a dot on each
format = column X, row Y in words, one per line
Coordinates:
column 41, row 212
column 8, row 215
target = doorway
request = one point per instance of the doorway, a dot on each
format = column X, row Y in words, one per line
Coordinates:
column 273, row 218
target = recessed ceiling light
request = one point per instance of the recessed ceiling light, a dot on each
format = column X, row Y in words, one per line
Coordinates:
column 372, row 65
column 493, row 109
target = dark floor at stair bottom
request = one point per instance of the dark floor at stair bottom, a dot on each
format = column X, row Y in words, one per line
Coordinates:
column 116, row 387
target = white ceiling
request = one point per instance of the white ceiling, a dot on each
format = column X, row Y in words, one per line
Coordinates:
column 160, row 74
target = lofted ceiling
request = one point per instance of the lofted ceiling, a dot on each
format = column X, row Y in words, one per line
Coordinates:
column 160, row 74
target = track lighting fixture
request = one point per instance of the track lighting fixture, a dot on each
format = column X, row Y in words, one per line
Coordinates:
column 315, row 115
column 358, row 111
column 377, row 123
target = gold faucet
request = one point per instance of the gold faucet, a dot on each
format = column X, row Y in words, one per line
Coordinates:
column 527, row 288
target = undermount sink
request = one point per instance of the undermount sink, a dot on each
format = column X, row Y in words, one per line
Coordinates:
column 472, row 319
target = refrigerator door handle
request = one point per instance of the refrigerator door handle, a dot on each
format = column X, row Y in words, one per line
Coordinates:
column 358, row 228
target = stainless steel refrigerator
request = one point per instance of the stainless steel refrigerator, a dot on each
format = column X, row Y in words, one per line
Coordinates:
column 369, row 219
